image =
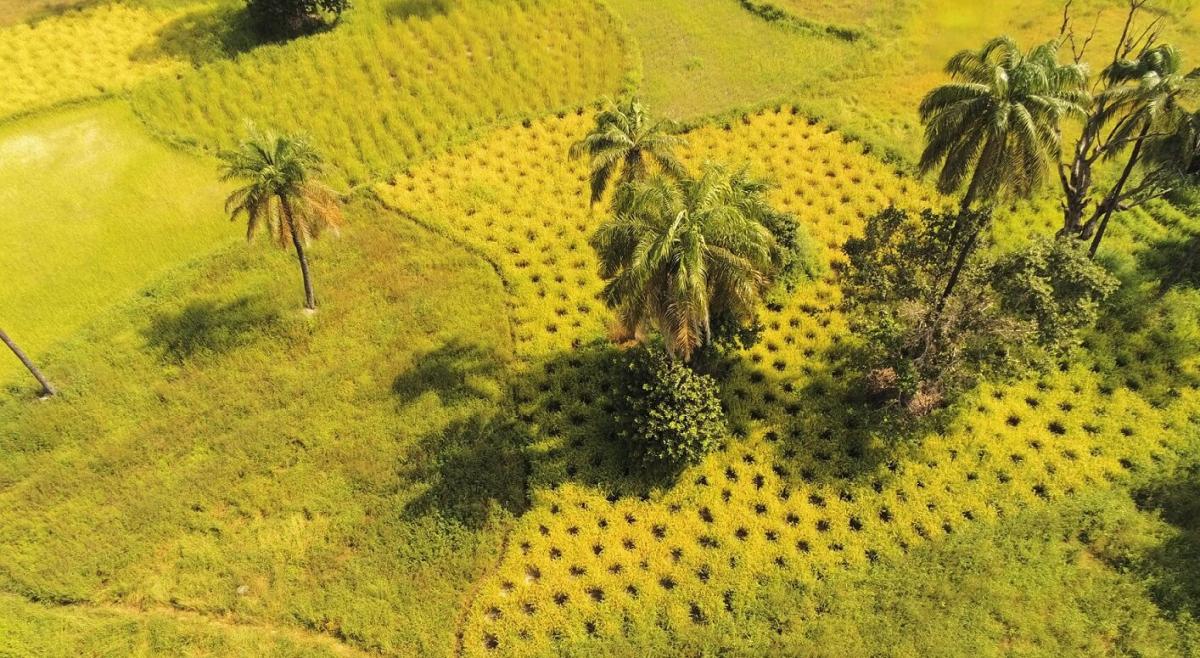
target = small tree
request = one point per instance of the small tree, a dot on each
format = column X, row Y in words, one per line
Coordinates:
column 281, row 194
column 625, row 144
column 287, row 18
column 1136, row 113
column 670, row 415
column 922, row 345
column 1054, row 285
column 681, row 254
column 47, row 389
column 994, row 132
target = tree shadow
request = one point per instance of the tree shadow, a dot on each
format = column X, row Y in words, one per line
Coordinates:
column 1144, row 339
column 1173, row 564
column 826, row 429
column 476, row 467
column 820, row 433
column 402, row 10
column 476, row 464
column 571, row 400
column 203, row 36
column 1173, row 260
column 209, row 327
column 455, row 371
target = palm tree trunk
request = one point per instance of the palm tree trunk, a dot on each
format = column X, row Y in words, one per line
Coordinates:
column 959, row 263
column 47, row 389
column 310, row 301
column 1110, row 202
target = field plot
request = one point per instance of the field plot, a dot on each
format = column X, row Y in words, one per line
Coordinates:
column 241, row 486
column 808, row 490
column 399, row 82
column 714, row 56
column 81, row 54
column 91, row 209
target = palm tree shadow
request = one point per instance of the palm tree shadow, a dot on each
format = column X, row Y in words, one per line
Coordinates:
column 476, row 464
column 1175, row 580
column 571, row 398
column 455, row 371
column 209, row 327
column 476, row 468
column 203, row 36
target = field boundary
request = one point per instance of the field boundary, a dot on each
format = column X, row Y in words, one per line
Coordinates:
column 297, row 633
column 472, row 593
column 772, row 14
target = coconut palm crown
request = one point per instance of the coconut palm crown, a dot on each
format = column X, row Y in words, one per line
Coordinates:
column 996, row 127
column 624, row 144
column 680, row 253
column 280, row 194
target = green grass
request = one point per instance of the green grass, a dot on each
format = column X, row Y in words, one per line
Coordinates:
column 91, row 209
column 216, row 451
column 703, row 57
column 399, row 80
column 49, row 631
column 713, row 56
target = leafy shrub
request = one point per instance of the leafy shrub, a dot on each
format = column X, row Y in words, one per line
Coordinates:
column 672, row 415
column 1054, row 284
column 282, row 18
column 926, row 341
column 799, row 258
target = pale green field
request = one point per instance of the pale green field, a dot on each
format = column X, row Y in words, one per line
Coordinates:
column 91, row 210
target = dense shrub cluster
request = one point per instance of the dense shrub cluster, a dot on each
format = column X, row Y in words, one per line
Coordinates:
column 670, row 414
column 282, row 18
column 937, row 311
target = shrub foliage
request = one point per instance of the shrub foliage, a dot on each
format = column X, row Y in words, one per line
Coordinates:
column 281, row 18
column 671, row 414
column 927, row 340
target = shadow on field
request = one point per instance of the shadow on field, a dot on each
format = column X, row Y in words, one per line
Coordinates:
column 1174, row 260
column 476, row 468
column 455, row 371
column 401, row 10
column 476, row 465
column 209, row 327
column 821, row 432
column 1173, row 563
column 203, row 36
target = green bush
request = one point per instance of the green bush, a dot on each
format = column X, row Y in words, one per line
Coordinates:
column 671, row 415
column 284, row 18
column 1054, row 284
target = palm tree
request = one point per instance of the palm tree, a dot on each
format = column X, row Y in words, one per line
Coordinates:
column 280, row 194
column 624, row 143
column 680, row 253
column 47, row 389
column 995, row 128
column 1146, row 92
